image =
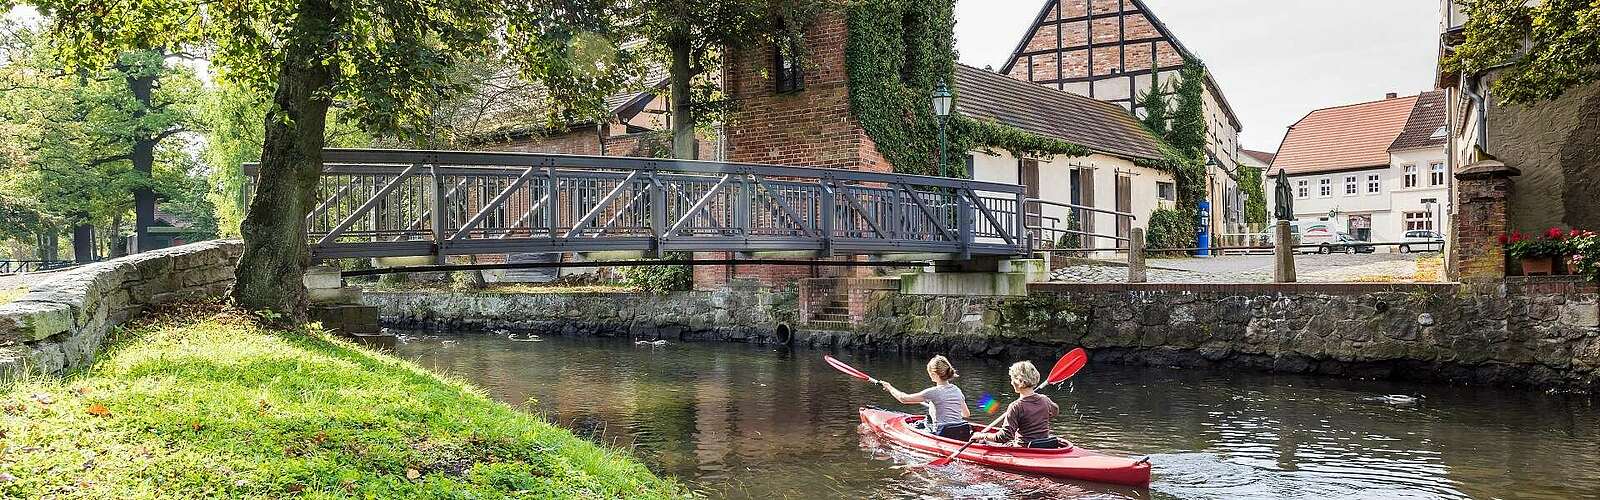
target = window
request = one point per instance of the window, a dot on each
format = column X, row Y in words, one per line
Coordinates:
column 1419, row 221
column 1303, row 189
column 786, row 67
column 1325, row 187
column 1167, row 191
column 1436, row 174
column 1350, row 187
column 1409, row 176
column 1372, row 184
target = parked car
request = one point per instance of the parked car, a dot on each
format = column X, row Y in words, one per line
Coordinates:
column 1422, row 241
column 1348, row 244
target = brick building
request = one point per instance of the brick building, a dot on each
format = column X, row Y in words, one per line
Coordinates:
column 789, row 113
column 1115, row 51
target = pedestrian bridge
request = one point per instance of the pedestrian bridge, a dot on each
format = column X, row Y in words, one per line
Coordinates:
column 387, row 203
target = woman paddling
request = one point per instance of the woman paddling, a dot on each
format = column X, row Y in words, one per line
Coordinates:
column 1027, row 420
column 947, row 406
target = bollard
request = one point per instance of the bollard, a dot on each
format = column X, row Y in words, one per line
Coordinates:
column 1283, row 253
column 1136, row 270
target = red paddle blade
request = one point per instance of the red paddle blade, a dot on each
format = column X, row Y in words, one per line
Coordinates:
column 941, row 461
column 1068, row 366
column 847, row 369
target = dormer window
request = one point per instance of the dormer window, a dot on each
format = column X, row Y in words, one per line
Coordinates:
column 786, row 66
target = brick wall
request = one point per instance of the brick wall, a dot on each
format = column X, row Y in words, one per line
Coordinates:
column 811, row 127
column 1482, row 202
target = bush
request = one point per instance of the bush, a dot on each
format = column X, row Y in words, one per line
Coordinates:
column 1169, row 229
column 660, row 279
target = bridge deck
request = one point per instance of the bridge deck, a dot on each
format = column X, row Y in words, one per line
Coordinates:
column 375, row 203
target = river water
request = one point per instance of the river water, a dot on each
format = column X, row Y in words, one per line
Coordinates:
column 741, row 421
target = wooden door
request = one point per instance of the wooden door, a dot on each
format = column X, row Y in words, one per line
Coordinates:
column 1124, row 204
column 1028, row 176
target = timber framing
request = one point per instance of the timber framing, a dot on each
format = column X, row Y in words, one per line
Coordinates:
column 1132, row 44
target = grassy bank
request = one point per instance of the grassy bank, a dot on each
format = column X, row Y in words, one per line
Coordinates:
column 211, row 405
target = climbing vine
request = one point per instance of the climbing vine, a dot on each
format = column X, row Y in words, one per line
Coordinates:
column 897, row 53
column 1255, row 200
column 1184, row 132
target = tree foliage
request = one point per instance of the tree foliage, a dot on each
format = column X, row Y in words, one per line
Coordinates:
column 1154, row 102
column 1184, row 136
column 71, row 139
column 897, row 53
column 1252, row 182
column 1548, row 46
column 385, row 62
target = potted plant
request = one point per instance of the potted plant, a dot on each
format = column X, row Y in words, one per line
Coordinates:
column 1537, row 255
column 1583, row 253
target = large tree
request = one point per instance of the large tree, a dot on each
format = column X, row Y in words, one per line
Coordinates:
column 382, row 60
column 1546, row 47
column 88, row 140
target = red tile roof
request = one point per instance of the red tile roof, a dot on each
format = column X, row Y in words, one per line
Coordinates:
column 1261, row 156
column 1344, row 137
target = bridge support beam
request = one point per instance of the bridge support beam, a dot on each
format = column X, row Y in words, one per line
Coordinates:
column 336, row 306
column 982, row 277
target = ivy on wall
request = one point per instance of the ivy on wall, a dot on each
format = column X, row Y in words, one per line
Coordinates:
column 1255, row 195
column 897, row 53
column 1183, row 130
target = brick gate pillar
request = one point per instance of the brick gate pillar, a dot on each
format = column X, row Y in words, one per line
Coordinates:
column 1483, row 196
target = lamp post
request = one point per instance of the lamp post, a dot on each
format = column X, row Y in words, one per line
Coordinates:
column 941, row 108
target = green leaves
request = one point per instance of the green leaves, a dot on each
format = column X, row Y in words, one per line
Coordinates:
column 1549, row 46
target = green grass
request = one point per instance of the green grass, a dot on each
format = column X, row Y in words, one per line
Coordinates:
column 212, row 405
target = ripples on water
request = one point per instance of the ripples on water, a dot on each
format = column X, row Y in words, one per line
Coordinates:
column 763, row 422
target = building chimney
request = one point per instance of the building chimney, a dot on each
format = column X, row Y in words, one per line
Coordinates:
column 1391, row 95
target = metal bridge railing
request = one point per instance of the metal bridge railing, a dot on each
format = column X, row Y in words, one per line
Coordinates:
column 373, row 203
column 32, row 266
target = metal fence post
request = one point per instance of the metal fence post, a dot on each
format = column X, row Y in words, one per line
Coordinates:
column 554, row 208
column 436, row 212
column 1283, row 253
column 964, row 224
column 828, row 206
column 658, row 213
column 1136, row 269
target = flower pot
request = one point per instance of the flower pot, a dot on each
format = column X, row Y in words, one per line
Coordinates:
column 1537, row 266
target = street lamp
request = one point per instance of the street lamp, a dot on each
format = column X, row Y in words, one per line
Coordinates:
column 941, row 108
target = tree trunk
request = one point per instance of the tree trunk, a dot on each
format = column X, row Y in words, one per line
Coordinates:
column 82, row 243
column 682, row 107
column 274, row 260
column 119, row 245
column 141, row 82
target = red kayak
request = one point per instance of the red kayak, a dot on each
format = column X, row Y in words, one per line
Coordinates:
column 1067, row 463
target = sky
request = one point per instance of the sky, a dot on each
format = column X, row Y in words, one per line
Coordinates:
column 1275, row 60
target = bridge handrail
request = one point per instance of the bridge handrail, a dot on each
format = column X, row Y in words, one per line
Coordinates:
column 384, row 202
column 354, row 160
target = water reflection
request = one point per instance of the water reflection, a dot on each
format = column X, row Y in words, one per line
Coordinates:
column 748, row 421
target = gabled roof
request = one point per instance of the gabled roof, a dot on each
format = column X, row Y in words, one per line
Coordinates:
column 1161, row 28
column 1101, row 126
column 1262, row 156
column 1425, row 127
column 1344, row 137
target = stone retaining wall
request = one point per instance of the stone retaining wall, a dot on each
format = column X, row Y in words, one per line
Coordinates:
column 1538, row 332
column 739, row 312
column 1542, row 332
column 62, row 323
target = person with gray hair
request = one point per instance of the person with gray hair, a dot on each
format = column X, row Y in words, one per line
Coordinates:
column 1027, row 420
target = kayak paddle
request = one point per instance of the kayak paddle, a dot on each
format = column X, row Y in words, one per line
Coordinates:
column 848, row 370
column 1065, row 368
